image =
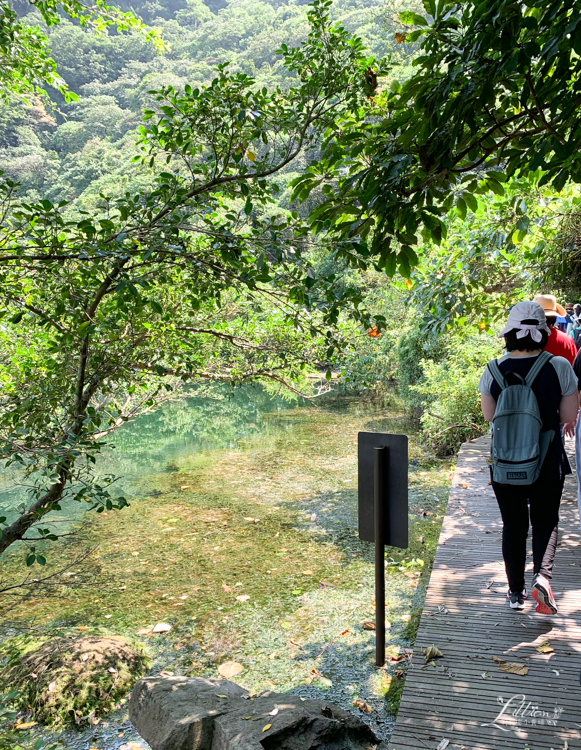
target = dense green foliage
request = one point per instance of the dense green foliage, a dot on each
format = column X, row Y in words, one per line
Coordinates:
column 26, row 65
column 86, row 147
column 495, row 92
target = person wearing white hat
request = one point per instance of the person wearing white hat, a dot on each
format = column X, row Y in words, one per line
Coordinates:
column 559, row 343
column 556, row 390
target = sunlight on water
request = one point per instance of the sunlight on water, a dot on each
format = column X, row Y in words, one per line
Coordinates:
column 222, row 418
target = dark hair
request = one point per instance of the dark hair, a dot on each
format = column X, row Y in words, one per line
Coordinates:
column 551, row 320
column 527, row 343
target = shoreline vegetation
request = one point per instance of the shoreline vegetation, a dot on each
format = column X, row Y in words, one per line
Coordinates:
column 251, row 556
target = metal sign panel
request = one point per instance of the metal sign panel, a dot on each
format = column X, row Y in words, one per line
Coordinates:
column 395, row 484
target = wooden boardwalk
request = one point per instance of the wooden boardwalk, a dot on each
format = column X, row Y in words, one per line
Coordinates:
column 465, row 700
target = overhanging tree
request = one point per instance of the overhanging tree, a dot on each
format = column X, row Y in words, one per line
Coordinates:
column 200, row 277
column 497, row 91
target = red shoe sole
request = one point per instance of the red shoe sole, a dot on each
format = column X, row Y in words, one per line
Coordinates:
column 542, row 608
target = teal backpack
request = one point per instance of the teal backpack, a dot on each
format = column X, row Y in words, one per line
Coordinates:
column 519, row 446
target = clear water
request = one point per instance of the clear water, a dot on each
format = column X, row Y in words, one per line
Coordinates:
column 219, row 418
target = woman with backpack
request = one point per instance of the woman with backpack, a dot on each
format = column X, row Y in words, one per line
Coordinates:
column 527, row 394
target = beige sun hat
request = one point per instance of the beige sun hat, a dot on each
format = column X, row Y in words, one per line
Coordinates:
column 550, row 305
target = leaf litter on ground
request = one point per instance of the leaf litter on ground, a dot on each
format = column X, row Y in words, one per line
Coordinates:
column 432, row 652
column 230, row 669
column 512, row 667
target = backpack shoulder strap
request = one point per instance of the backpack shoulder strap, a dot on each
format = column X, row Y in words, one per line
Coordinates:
column 494, row 370
column 541, row 361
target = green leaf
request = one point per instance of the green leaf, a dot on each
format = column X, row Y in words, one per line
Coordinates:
column 409, row 18
column 471, row 201
column 461, row 207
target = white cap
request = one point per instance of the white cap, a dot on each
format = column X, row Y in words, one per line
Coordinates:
column 526, row 311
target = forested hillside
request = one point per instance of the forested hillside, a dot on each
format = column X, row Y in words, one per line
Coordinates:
column 84, row 148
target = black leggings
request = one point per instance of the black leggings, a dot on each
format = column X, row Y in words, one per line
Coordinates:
column 543, row 498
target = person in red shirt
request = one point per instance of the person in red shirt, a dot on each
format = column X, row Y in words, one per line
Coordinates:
column 559, row 344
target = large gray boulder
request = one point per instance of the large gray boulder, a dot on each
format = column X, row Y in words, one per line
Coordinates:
column 181, row 713
column 178, row 713
column 296, row 725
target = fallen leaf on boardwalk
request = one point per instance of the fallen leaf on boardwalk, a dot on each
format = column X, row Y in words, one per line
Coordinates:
column 545, row 648
column 266, row 728
column 512, row 667
column 161, row 627
column 362, row 706
column 344, row 632
column 463, row 485
column 484, row 675
column 368, row 625
column 443, row 745
column 273, row 712
column 226, row 588
column 242, row 598
column 431, row 652
column 230, row 669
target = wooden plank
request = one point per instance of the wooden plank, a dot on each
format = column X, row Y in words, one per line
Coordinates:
column 466, row 615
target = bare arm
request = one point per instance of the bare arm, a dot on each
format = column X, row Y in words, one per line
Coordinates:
column 488, row 405
column 569, row 407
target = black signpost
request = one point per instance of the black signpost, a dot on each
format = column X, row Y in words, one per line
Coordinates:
column 383, row 509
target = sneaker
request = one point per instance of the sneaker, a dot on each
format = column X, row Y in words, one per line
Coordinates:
column 516, row 599
column 542, row 594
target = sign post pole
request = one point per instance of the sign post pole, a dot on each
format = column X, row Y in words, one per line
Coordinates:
column 379, row 487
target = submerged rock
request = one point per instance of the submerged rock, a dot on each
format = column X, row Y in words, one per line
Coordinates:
column 71, row 680
column 180, row 713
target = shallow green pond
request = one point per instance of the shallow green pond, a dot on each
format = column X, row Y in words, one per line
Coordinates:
column 242, row 535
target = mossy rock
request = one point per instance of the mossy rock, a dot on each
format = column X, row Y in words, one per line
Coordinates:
column 71, row 680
